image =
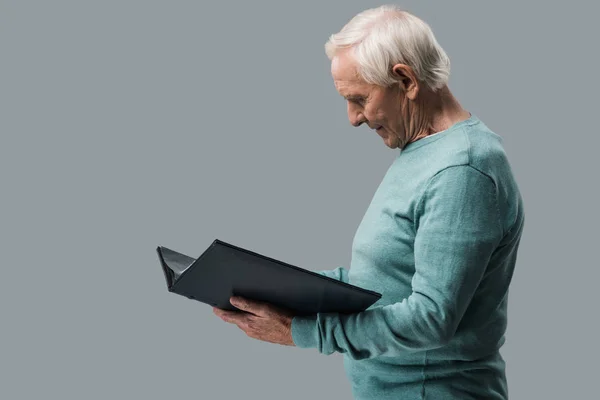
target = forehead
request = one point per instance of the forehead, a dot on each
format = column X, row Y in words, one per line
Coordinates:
column 345, row 75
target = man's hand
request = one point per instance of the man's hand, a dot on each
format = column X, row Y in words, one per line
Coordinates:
column 259, row 320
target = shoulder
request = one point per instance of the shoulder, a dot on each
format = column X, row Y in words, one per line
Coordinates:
column 470, row 165
column 473, row 144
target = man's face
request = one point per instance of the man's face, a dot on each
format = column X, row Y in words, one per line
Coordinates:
column 378, row 107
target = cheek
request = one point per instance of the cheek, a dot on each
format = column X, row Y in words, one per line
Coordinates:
column 368, row 113
column 383, row 118
column 375, row 115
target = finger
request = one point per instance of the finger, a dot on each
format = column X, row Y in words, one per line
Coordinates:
column 252, row 306
column 233, row 317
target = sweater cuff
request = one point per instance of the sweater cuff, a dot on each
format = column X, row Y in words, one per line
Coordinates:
column 304, row 331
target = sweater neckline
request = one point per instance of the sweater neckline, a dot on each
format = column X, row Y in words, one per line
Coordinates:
column 438, row 135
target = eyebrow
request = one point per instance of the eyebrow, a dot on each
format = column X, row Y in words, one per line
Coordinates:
column 354, row 97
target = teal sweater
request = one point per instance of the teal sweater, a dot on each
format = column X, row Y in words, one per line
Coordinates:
column 439, row 240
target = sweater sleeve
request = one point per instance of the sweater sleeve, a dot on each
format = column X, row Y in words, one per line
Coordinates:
column 457, row 229
column 339, row 273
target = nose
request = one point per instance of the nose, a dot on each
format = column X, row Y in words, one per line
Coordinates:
column 355, row 115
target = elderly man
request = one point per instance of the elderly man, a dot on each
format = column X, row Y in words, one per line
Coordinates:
column 439, row 239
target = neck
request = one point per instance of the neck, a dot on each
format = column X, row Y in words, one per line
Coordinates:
column 440, row 110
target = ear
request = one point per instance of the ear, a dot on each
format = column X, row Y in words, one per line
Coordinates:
column 407, row 80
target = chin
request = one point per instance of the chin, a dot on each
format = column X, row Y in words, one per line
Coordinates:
column 390, row 142
column 389, row 139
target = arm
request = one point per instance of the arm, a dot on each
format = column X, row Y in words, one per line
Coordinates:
column 340, row 273
column 457, row 229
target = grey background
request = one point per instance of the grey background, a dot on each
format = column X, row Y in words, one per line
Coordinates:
column 131, row 124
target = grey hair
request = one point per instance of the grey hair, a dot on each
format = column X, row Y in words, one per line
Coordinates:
column 384, row 36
